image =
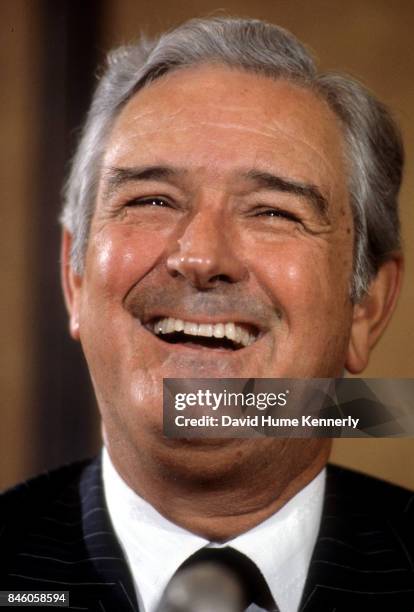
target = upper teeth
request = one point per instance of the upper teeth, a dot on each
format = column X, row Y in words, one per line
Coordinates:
column 232, row 331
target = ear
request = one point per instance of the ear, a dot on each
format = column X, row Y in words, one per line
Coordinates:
column 372, row 314
column 71, row 285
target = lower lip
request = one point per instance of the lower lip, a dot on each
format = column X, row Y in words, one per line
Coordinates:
column 194, row 347
column 190, row 346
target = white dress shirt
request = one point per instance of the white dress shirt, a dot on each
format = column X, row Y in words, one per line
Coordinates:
column 154, row 547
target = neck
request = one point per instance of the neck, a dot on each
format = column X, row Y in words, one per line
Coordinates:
column 219, row 489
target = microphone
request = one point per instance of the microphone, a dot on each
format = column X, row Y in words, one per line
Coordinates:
column 217, row 580
column 207, row 586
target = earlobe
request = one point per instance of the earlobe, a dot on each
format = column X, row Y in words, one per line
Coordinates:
column 372, row 314
column 71, row 285
column 358, row 346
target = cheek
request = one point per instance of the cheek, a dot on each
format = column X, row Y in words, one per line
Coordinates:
column 119, row 257
column 296, row 276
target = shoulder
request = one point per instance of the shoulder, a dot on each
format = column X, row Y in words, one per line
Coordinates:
column 22, row 506
column 369, row 513
column 364, row 554
column 356, row 490
column 55, row 534
column 40, row 490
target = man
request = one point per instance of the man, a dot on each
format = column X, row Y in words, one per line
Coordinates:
column 229, row 213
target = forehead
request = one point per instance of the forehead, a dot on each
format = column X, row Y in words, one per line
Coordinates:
column 214, row 119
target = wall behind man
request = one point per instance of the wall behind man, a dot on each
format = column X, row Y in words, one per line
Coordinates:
column 49, row 53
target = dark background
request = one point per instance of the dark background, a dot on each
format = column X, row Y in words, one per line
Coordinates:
column 50, row 51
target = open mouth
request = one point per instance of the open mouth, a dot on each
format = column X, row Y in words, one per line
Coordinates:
column 225, row 336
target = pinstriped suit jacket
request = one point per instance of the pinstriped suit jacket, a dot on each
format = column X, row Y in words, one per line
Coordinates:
column 55, row 534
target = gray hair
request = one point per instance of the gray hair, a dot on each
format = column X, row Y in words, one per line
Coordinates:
column 373, row 144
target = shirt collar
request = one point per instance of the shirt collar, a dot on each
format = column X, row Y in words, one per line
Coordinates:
column 154, row 547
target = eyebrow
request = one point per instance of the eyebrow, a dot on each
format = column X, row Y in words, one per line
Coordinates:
column 117, row 177
column 266, row 180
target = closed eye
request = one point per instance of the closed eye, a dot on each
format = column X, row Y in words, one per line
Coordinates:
column 161, row 202
column 277, row 212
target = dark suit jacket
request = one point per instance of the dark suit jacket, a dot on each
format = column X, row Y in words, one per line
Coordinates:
column 55, row 534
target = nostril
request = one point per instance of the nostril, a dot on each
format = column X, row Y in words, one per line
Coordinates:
column 221, row 278
column 174, row 273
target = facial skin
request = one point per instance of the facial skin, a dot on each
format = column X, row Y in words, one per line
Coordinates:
column 196, row 219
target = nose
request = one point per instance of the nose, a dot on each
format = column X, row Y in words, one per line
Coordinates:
column 205, row 255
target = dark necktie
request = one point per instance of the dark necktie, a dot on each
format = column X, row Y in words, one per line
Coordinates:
column 217, row 580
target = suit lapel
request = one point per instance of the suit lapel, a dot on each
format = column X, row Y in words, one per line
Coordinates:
column 363, row 558
column 103, row 549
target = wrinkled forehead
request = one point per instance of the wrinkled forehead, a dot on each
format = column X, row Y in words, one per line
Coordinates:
column 210, row 116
